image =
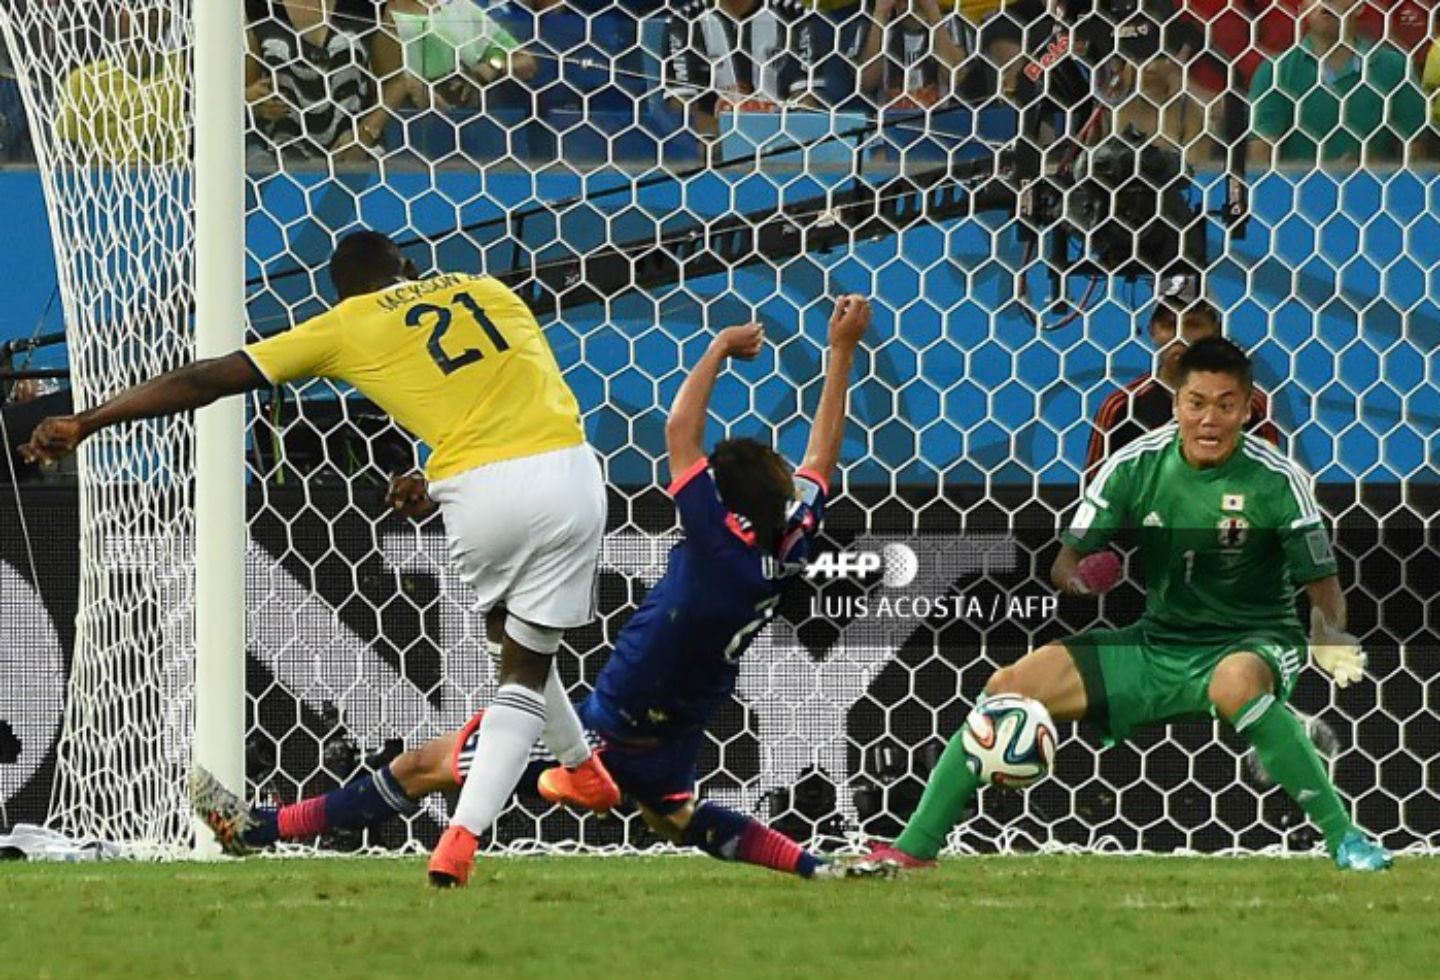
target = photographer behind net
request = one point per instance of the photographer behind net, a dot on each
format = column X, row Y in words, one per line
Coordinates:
column 1098, row 174
column 1147, row 92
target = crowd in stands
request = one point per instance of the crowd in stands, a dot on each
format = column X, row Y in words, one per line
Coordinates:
column 1327, row 81
column 1330, row 82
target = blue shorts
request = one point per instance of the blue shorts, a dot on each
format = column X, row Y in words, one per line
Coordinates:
column 658, row 773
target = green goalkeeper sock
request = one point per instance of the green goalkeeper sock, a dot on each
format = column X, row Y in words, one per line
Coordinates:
column 1288, row 755
column 951, row 787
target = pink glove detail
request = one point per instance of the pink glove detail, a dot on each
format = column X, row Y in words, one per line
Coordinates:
column 1098, row 573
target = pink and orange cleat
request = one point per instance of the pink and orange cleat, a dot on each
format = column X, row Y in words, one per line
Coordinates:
column 888, row 853
column 453, row 857
column 588, row 785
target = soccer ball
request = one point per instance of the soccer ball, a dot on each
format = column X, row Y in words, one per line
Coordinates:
column 1009, row 741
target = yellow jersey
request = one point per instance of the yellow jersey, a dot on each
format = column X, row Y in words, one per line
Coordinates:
column 458, row 360
column 1430, row 81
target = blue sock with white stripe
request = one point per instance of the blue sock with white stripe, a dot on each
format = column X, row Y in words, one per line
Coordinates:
column 358, row 805
column 372, row 799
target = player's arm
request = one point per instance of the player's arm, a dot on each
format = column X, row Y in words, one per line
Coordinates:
column 1327, row 598
column 847, row 326
column 191, row 386
column 1062, row 570
column 685, row 429
column 1310, row 560
column 1085, row 566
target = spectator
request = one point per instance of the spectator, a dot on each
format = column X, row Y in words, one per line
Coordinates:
column 736, row 54
column 1239, row 34
column 1001, row 39
column 452, row 49
column 1336, row 97
column 910, row 54
column 1160, row 106
column 831, row 28
column 1430, row 82
column 1404, row 24
column 128, row 107
column 309, row 77
column 15, row 146
column 1148, row 402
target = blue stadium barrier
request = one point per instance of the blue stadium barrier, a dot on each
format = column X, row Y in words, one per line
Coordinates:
column 1326, row 264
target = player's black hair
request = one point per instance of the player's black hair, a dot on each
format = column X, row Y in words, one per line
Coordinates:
column 366, row 261
column 754, row 482
column 1219, row 356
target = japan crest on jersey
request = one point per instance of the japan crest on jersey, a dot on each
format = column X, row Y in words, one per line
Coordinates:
column 1234, row 529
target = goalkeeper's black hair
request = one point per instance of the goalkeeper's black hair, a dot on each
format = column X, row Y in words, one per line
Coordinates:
column 1218, row 356
column 754, row 481
column 366, row 261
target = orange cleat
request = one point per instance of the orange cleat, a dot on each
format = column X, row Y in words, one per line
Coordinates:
column 453, row 858
column 588, row 785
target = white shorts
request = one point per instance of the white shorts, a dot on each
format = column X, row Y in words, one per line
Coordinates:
column 527, row 532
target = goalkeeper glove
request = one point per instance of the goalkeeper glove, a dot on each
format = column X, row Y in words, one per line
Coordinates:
column 1336, row 652
column 1097, row 574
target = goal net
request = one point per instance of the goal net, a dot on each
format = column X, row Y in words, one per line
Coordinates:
column 646, row 177
column 105, row 87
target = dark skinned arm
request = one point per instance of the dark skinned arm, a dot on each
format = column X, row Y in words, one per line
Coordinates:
column 192, row 386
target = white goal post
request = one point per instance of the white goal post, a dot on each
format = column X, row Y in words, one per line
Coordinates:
column 220, row 536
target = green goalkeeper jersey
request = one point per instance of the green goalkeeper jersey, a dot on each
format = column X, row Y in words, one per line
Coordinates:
column 1223, row 548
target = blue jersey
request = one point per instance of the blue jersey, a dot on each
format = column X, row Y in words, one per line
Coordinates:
column 677, row 658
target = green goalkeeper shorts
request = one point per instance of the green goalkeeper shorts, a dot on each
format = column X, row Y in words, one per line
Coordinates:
column 1132, row 680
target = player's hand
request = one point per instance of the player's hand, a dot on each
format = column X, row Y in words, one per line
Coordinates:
column 743, row 342
column 1336, row 652
column 1097, row 574
column 54, row 439
column 264, row 102
column 406, row 496
column 929, row 11
column 849, row 321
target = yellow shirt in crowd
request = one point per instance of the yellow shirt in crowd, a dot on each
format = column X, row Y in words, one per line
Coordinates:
column 1430, row 81
column 974, row 11
column 458, row 360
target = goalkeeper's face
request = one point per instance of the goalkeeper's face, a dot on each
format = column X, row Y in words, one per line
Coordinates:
column 1212, row 408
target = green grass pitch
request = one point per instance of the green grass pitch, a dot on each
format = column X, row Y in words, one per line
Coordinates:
column 669, row 917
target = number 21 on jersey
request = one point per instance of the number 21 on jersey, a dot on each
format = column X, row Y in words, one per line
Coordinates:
column 439, row 318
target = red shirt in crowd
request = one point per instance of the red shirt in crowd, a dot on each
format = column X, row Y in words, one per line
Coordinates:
column 1276, row 28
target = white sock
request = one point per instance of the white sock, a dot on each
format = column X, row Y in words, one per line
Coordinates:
column 564, row 735
column 509, row 729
